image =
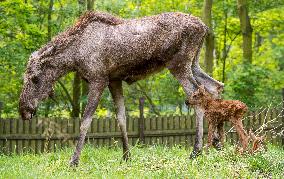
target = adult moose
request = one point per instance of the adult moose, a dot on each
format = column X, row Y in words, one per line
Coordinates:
column 107, row 50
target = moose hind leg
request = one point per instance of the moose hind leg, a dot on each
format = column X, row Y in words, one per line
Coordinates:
column 95, row 92
column 183, row 77
column 199, row 115
column 117, row 95
column 213, row 86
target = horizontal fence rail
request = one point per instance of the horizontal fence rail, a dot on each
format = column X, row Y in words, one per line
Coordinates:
column 40, row 135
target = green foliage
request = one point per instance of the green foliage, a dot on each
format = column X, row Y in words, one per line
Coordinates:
column 147, row 162
column 246, row 83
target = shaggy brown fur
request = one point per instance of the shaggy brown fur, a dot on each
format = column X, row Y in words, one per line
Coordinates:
column 61, row 41
column 106, row 50
column 217, row 111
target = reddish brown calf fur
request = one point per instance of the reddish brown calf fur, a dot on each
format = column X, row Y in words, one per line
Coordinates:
column 258, row 143
column 217, row 111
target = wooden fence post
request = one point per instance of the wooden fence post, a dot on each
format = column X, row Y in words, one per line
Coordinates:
column 141, row 120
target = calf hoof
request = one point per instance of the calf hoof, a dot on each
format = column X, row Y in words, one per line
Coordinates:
column 218, row 146
column 194, row 154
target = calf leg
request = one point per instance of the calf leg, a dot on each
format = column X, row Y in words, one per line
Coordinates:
column 241, row 132
column 221, row 132
column 95, row 92
column 211, row 130
column 216, row 142
column 117, row 95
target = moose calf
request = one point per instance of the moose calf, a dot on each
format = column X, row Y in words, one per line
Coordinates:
column 217, row 111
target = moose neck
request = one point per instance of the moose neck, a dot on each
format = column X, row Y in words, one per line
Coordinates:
column 55, row 68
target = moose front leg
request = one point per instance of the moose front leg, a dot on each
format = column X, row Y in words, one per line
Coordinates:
column 95, row 92
column 116, row 90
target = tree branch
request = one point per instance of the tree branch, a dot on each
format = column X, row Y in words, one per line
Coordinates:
column 66, row 92
column 148, row 98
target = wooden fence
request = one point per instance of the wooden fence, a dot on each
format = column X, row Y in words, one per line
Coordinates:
column 41, row 135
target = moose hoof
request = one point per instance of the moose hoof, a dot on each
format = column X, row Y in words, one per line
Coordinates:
column 126, row 156
column 194, row 154
column 74, row 162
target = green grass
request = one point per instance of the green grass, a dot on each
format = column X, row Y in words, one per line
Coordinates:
column 147, row 162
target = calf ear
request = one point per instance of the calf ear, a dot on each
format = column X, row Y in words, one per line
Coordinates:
column 202, row 88
column 263, row 138
column 251, row 134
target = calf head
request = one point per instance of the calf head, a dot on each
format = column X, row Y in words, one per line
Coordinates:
column 198, row 97
column 258, row 142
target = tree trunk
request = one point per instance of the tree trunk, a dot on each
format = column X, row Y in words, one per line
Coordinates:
column 246, row 30
column 209, row 41
column 180, row 108
column 82, row 6
column 76, row 95
column 49, row 29
column 153, row 107
column 1, row 108
column 258, row 41
column 49, row 20
column 141, row 120
column 90, row 4
column 224, row 50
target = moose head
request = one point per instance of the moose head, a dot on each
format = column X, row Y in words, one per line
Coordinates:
column 37, row 85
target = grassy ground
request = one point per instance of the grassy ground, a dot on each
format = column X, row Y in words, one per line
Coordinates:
column 148, row 162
